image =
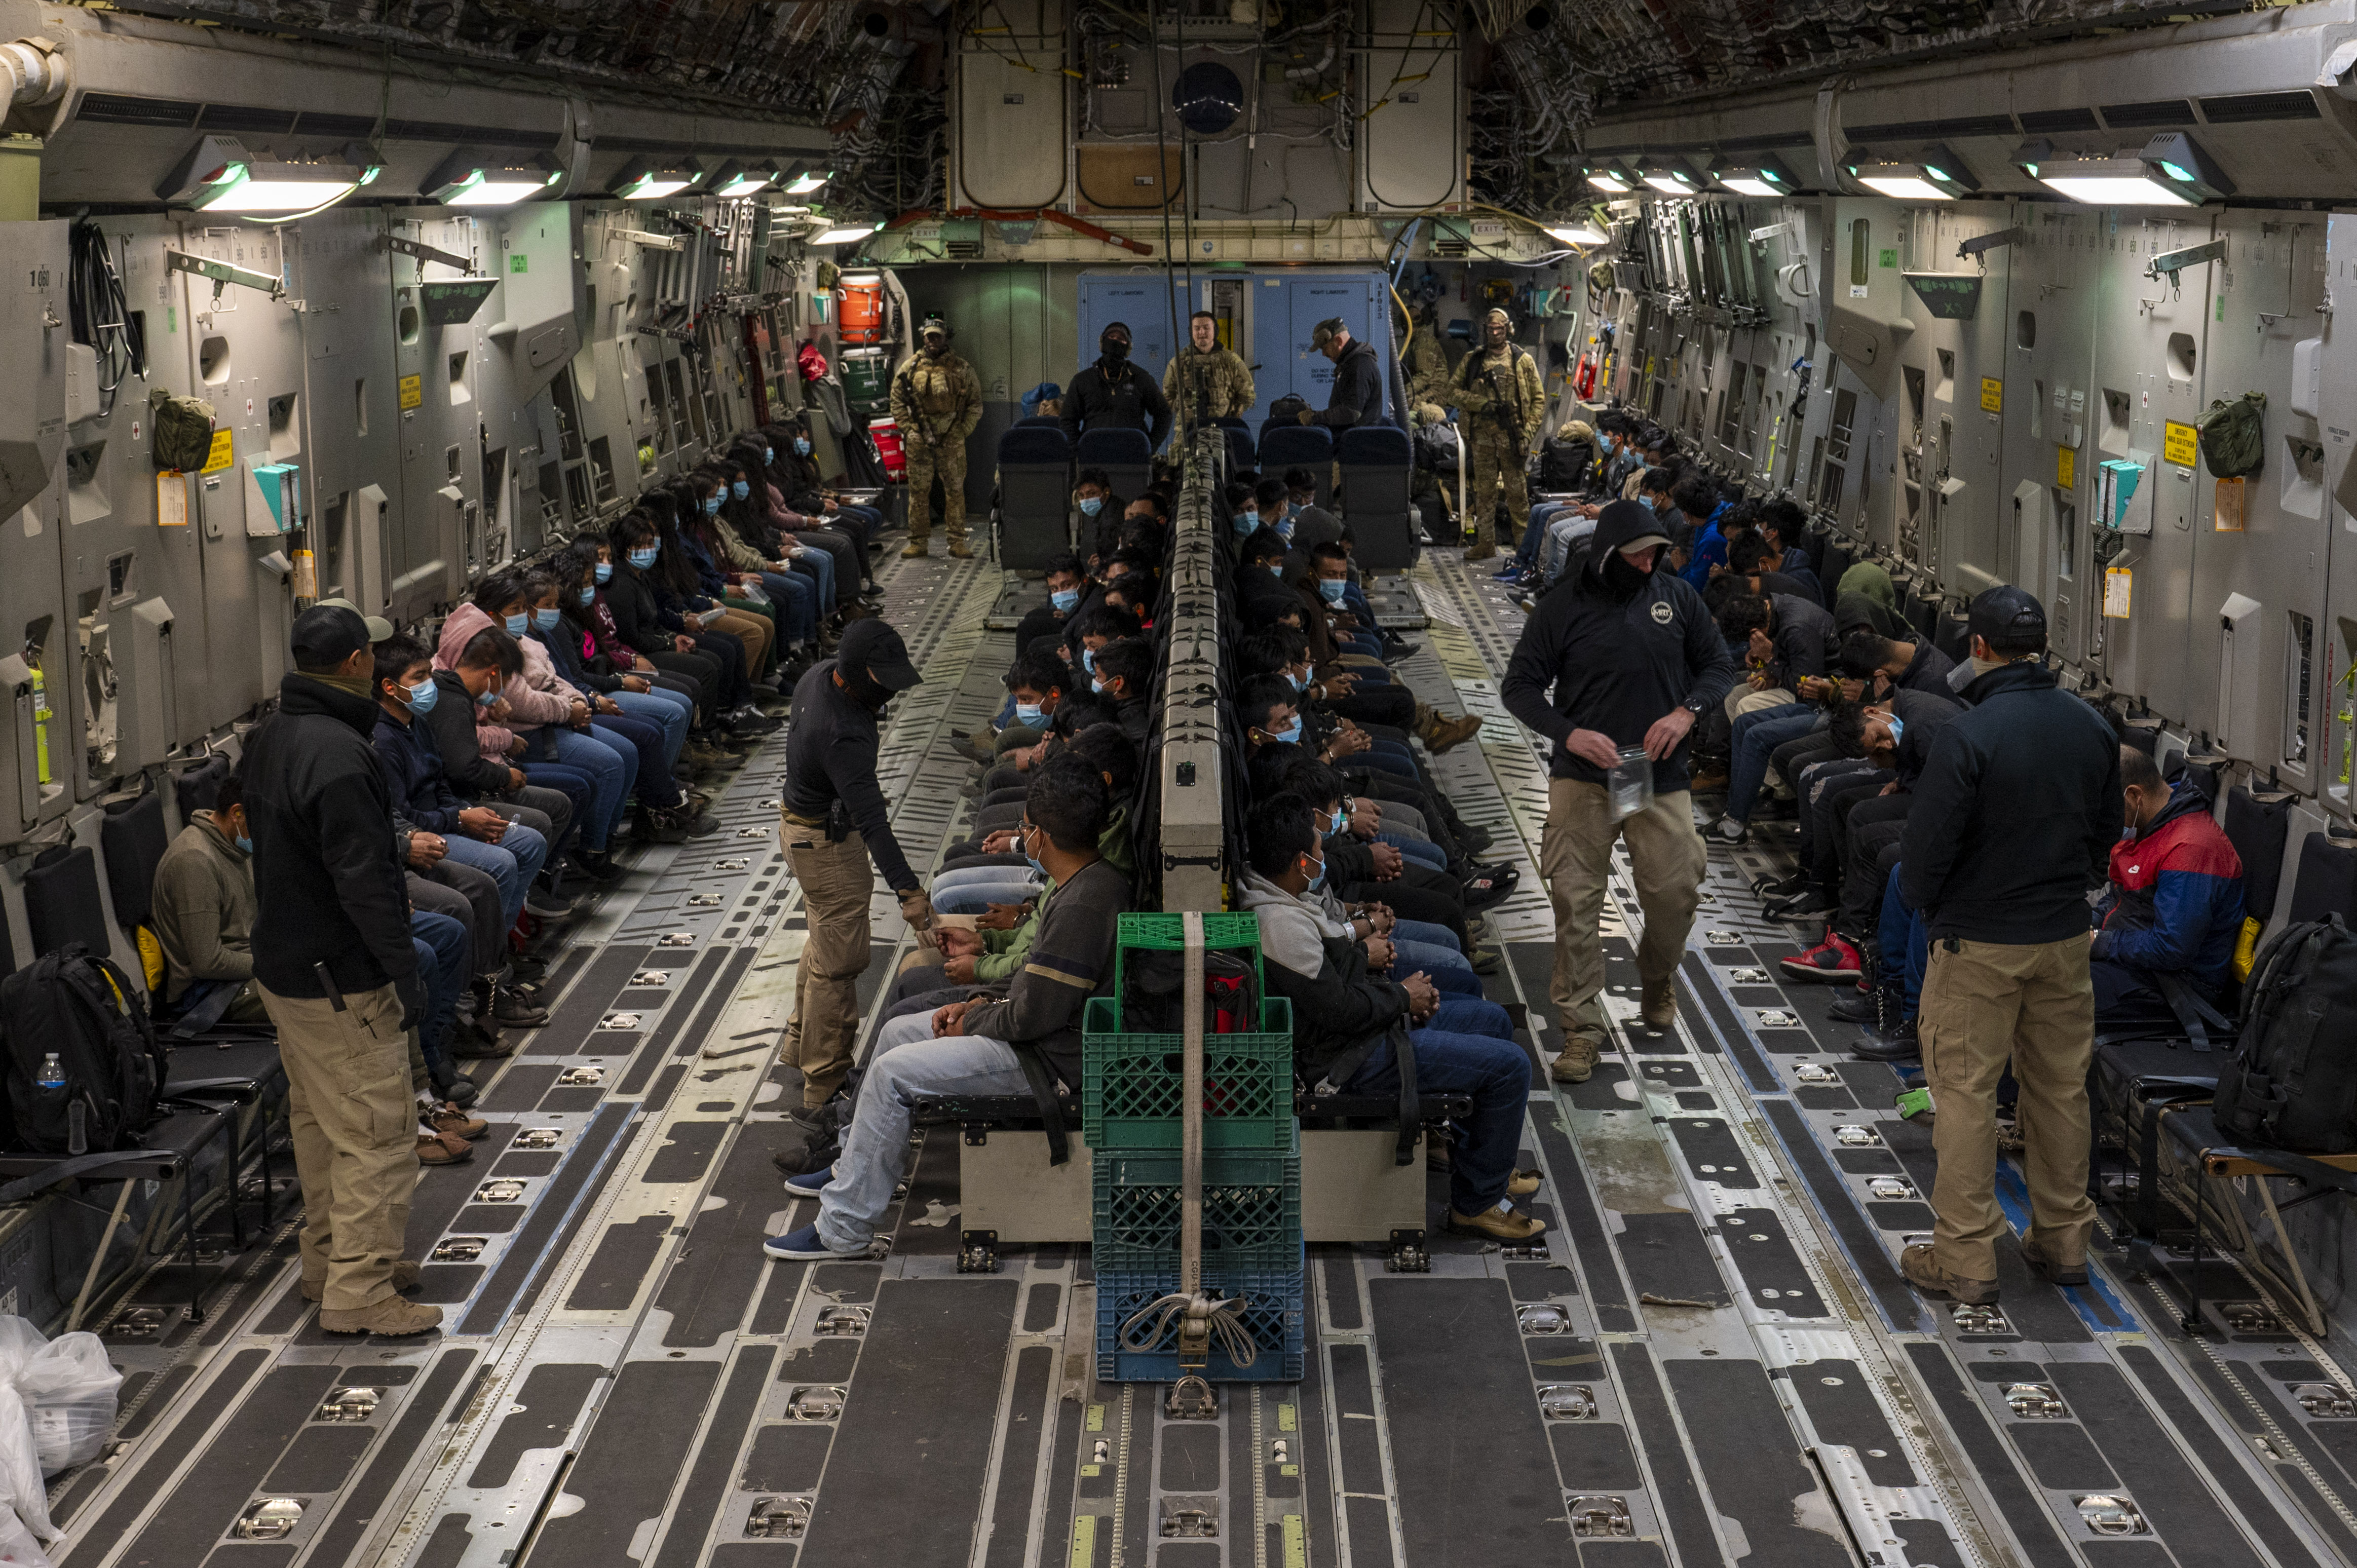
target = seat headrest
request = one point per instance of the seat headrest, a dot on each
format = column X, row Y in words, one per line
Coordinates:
column 1374, row 445
column 1281, row 444
column 132, row 837
column 1036, row 445
column 1101, row 447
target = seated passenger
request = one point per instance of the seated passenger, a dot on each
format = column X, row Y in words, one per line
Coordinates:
column 1789, row 642
column 980, row 1045
column 1123, row 673
column 204, row 908
column 1350, row 1016
column 2174, row 905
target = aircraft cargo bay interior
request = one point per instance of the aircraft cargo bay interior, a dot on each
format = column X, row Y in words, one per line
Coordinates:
column 1205, row 784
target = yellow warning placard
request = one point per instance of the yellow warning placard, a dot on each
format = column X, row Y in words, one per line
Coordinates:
column 413, row 392
column 2066, row 467
column 1992, row 395
column 224, row 453
column 2117, row 581
column 2180, row 444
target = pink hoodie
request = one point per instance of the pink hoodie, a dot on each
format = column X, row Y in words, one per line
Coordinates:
column 539, row 699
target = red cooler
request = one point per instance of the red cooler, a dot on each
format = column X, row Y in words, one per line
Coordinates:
column 887, row 436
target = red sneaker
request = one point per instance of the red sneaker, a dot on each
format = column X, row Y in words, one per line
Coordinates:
column 1833, row 959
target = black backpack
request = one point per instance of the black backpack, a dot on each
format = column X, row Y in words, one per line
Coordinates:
column 1154, row 993
column 83, row 1011
column 1288, row 409
column 1563, row 464
column 2292, row 1083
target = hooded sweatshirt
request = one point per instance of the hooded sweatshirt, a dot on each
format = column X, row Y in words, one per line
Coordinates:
column 538, row 700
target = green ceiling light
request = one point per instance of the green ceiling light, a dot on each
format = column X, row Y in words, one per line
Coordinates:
column 472, row 178
column 1938, row 175
column 806, row 179
column 1762, row 177
column 1670, row 177
column 650, row 178
column 1612, row 177
column 2170, row 170
column 219, row 174
column 735, row 180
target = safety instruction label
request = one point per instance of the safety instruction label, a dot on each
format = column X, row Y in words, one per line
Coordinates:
column 2226, row 508
column 413, row 392
column 2180, row 444
column 2117, row 581
column 223, row 452
column 2066, row 467
column 1992, row 394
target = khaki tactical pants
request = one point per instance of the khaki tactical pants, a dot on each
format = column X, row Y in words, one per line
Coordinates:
column 1497, row 460
column 1984, row 1003
column 355, row 1128
column 836, row 882
column 925, row 460
column 1575, row 858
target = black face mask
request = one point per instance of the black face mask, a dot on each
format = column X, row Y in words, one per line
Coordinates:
column 1624, row 577
column 1112, row 348
column 864, row 689
column 935, row 350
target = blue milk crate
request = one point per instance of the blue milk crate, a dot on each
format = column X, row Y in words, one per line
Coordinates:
column 1274, row 1316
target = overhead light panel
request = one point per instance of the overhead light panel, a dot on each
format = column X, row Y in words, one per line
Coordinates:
column 845, row 234
column 219, row 174
column 650, row 179
column 1611, row 178
column 1765, row 178
column 735, row 180
column 807, row 179
column 1670, row 177
column 2172, row 170
column 1937, row 176
column 470, row 179
column 1577, row 233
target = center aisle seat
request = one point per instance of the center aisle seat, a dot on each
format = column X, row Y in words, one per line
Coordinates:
column 1311, row 446
column 1125, row 456
column 1035, row 497
column 1377, row 463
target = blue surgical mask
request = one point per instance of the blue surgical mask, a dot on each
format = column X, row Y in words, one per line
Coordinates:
column 1246, row 521
column 1333, row 589
column 1276, row 568
column 1292, row 508
column 740, row 489
column 1091, row 505
column 1089, row 660
column 712, row 504
column 422, row 696
column 546, row 619
column 1037, row 869
column 1298, row 681
column 246, row 845
column 1098, row 687
column 588, row 598
column 1065, row 600
column 1317, row 878
column 517, row 624
column 645, row 557
column 1337, row 822
column 1289, row 734
column 1031, row 713
column 488, row 698
column 605, row 571
column 802, row 446
column 1898, row 728
column 1285, row 530
column 768, row 456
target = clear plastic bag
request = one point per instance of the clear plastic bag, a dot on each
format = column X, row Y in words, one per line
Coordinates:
column 70, row 1390
column 1629, row 785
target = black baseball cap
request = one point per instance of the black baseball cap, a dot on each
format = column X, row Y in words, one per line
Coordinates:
column 325, row 635
column 2008, row 614
column 872, row 645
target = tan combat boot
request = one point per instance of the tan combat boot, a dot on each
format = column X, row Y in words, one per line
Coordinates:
column 406, row 1274
column 1576, row 1060
column 1924, row 1271
column 392, row 1318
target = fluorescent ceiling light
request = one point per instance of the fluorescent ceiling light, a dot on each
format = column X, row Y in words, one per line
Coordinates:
column 467, row 178
column 1748, row 185
column 808, row 180
column 649, row 179
column 736, row 180
column 2113, row 182
column 218, row 175
column 845, row 234
column 1576, row 234
column 1765, row 178
column 1938, row 175
column 1669, row 178
column 1612, row 178
column 1907, row 187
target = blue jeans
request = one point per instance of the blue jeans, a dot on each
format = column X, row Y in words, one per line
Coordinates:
column 1902, row 940
column 976, row 898
column 511, row 863
column 793, row 597
column 906, row 1062
column 609, row 767
column 577, row 789
column 1471, row 1016
column 1535, row 531
column 1421, row 850
column 1494, row 1071
column 1564, row 534
column 1447, row 971
column 1757, row 734
column 819, row 562
column 667, row 710
column 650, row 769
column 442, row 948
column 1427, row 932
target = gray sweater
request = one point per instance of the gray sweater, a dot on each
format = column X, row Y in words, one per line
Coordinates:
column 1071, row 959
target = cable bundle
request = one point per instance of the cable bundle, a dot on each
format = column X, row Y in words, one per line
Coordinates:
column 102, row 312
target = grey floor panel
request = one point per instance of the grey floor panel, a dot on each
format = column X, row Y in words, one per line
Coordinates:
column 713, row 1472
column 201, row 1509
column 1743, row 1444
column 2170, row 1492
column 628, row 1466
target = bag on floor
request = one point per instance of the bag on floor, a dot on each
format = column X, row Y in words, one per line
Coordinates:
column 68, row 1388
column 2292, row 1083
column 83, row 1012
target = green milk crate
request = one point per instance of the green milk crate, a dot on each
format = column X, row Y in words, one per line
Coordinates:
column 1130, row 1085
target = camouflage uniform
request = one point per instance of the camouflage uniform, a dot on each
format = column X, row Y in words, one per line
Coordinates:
column 936, row 404
column 1504, row 402
column 1220, row 375
column 1426, row 367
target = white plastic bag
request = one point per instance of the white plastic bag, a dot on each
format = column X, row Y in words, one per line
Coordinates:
column 69, row 1390
column 17, row 1546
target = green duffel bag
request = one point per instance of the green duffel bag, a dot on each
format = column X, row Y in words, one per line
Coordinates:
column 2234, row 435
column 184, row 431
